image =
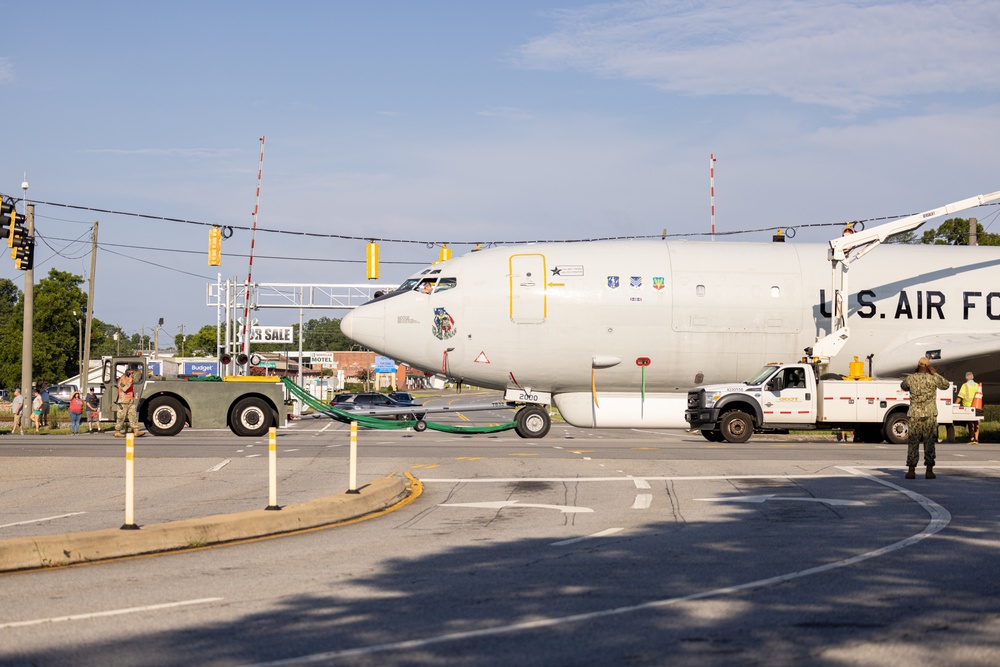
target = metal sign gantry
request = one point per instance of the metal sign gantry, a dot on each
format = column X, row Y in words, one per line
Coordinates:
column 229, row 298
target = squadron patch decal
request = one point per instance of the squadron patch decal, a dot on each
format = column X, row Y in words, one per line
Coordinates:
column 444, row 324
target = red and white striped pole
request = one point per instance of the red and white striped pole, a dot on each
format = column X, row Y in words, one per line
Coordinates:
column 711, row 182
column 253, row 235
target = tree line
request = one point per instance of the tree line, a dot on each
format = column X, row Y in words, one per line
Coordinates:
column 56, row 353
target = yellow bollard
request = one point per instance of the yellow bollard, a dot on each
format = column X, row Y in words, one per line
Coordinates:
column 272, row 469
column 353, row 482
column 130, row 483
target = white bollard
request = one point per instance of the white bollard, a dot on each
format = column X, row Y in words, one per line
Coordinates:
column 130, row 483
column 272, row 468
column 353, row 482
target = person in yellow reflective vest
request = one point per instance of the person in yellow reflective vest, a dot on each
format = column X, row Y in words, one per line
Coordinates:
column 971, row 395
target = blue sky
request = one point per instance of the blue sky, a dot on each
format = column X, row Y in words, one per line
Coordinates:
column 469, row 121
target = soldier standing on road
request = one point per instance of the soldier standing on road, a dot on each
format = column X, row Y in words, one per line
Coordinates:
column 923, row 386
column 126, row 406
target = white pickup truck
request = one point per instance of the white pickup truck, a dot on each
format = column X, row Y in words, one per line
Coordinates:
column 782, row 397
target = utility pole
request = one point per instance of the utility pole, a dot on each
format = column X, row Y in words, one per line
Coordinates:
column 973, row 231
column 85, row 379
column 27, row 349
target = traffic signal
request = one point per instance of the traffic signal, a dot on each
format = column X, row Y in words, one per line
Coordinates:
column 24, row 257
column 215, row 246
column 8, row 218
column 372, row 260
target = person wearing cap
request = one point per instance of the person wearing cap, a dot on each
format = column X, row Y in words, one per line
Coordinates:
column 923, row 386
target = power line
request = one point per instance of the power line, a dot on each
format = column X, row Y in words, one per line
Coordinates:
column 431, row 243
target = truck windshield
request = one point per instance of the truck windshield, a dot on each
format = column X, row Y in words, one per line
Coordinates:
column 760, row 376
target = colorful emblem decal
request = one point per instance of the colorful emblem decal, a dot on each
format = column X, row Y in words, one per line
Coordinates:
column 613, row 282
column 635, row 282
column 658, row 282
column 444, row 324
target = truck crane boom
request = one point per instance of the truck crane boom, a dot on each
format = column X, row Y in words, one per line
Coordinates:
column 846, row 250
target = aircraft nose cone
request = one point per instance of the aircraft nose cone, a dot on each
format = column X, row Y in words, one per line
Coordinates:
column 366, row 325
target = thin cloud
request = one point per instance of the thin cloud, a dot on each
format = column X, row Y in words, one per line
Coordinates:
column 6, row 71
column 509, row 113
column 168, row 152
column 850, row 56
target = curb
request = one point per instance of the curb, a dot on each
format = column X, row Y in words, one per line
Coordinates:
column 32, row 553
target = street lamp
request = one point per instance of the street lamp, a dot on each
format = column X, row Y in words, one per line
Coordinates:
column 79, row 347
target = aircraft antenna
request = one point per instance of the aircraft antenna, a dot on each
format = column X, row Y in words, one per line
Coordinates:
column 711, row 183
column 253, row 234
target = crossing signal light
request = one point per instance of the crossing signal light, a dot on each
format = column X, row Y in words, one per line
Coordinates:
column 242, row 359
column 225, row 359
column 215, row 246
column 24, row 257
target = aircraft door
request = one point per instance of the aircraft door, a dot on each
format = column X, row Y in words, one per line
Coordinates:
column 788, row 398
column 528, row 302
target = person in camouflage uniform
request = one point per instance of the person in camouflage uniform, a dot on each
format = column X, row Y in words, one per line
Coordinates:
column 923, row 386
column 126, row 406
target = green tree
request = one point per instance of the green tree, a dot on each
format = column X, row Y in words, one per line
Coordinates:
column 955, row 231
column 200, row 344
column 56, row 333
column 322, row 334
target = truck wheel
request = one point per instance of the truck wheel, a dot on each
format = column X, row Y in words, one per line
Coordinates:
column 713, row 436
column 897, row 429
column 532, row 422
column 164, row 416
column 736, row 426
column 251, row 417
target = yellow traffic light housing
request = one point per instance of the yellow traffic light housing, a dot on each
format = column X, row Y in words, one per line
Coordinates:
column 372, row 261
column 215, row 246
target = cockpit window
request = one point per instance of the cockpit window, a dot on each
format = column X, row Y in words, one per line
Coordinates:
column 446, row 284
column 408, row 285
column 426, row 285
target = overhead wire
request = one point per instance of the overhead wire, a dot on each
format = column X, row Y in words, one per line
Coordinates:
column 430, row 242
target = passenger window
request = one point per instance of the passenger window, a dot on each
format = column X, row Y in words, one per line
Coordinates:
column 446, row 284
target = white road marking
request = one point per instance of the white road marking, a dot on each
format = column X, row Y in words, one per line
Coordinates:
column 253, row 456
column 642, row 484
column 48, row 518
column 771, row 496
column 603, row 533
column 219, row 466
column 291, row 450
column 500, row 504
column 940, row 518
column 642, row 501
column 102, row 614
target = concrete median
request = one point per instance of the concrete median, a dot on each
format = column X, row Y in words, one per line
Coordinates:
column 29, row 553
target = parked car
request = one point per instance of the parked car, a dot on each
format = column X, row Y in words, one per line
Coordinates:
column 402, row 397
column 62, row 391
column 374, row 400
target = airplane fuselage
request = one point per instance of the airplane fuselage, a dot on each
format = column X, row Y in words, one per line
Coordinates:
column 624, row 321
